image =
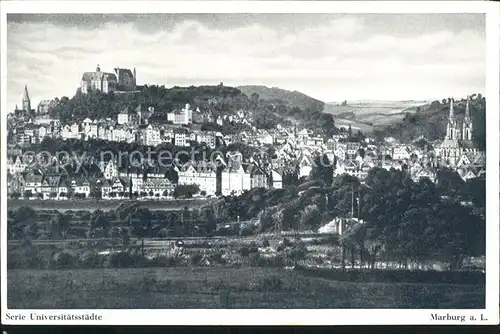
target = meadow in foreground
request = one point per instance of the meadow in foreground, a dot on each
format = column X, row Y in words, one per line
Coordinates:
column 205, row 287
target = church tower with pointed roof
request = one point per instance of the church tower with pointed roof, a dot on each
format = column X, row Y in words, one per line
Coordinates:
column 467, row 124
column 451, row 127
column 458, row 139
column 26, row 100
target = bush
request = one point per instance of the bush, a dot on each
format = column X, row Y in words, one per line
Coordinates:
column 91, row 260
column 126, row 260
column 286, row 242
column 24, row 259
column 196, row 258
column 164, row 261
column 217, row 257
column 246, row 230
column 247, row 250
column 65, row 260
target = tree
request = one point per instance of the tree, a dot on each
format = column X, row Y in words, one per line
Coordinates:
column 125, row 235
column 28, row 194
column 322, row 170
column 255, row 99
column 188, row 190
column 311, row 217
column 96, row 193
column 476, row 191
column 211, row 221
column 449, row 182
column 98, row 220
column 15, row 195
column 59, row 226
column 20, row 221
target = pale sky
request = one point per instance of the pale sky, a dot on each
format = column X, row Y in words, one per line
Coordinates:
column 331, row 57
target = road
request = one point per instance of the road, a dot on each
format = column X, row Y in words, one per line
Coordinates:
column 163, row 241
column 106, row 205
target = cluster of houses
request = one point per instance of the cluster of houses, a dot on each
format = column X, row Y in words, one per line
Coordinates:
column 285, row 150
column 232, row 174
column 108, row 180
column 132, row 125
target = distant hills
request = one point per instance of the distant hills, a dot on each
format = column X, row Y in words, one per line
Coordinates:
column 278, row 95
column 430, row 121
column 370, row 115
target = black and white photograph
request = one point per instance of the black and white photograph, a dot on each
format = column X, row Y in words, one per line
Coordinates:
column 238, row 161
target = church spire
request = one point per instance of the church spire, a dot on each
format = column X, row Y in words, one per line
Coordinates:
column 26, row 100
column 467, row 110
column 467, row 125
column 451, row 132
column 26, row 96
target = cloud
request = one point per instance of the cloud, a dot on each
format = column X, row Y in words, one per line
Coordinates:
column 336, row 59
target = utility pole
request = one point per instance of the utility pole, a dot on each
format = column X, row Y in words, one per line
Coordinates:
column 142, row 246
column 359, row 205
column 352, row 201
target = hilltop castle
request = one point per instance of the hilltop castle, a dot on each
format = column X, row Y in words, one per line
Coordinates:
column 121, row 80
column 458, row 138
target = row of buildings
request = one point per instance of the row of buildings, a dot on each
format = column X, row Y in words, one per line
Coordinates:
column 283, row 150
column 112, row 181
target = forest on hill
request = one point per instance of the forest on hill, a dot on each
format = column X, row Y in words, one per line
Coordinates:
column 220, row 100
column 278, row 95
column 430, row 121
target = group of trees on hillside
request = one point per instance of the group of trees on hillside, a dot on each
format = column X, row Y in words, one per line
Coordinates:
column 404, row 220
column 94, row 105
column 220, row 100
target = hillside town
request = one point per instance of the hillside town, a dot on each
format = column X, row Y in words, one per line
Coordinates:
column 277, row 152
column 240, row 161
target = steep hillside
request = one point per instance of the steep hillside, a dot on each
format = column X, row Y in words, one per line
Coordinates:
column 99, row 105
column 221, row 100
column 430, row 122
column 278, row 95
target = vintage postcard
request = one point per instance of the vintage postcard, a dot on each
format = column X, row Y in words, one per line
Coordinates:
column 249, row 163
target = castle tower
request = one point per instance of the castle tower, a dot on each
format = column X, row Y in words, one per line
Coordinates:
column 26, row 100
column 467, row 125
column 451, row 131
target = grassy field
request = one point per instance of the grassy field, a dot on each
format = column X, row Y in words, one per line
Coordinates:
column 200, row 287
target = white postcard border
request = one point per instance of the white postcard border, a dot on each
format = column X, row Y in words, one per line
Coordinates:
column 273, row 316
